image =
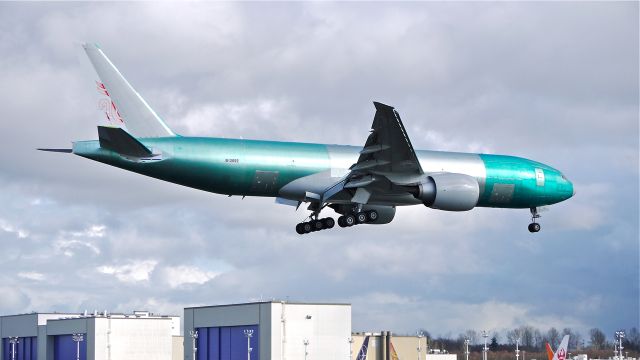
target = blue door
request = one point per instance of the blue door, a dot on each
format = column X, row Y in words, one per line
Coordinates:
column 25, row 349
column 64, row 348
column 228, row 343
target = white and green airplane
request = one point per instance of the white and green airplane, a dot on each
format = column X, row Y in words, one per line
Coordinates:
column 364, row 184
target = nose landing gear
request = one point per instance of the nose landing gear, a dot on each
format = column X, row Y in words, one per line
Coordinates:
column 534, row 227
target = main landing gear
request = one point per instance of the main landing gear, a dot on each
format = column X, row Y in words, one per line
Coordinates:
column 315, row 225
column 534, row 227
column 350, row 219
column 357, row 218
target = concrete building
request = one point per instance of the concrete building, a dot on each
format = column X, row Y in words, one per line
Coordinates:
column 140, row 335
column 20, row 335
column 385, row 346
column 268, row 330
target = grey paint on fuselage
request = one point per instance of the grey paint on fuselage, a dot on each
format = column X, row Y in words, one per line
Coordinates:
column 341, row 157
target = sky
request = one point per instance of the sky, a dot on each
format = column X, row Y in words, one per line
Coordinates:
column 553, row 82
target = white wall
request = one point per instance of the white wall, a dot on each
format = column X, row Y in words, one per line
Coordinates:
column 328, row 331
column 133, row 338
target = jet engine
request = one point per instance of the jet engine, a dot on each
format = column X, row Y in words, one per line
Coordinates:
column 448, row 191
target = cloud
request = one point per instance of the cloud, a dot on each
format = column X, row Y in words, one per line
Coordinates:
column 32, row 275
column 13, row 299
column 537, row 80
column 134, row 271
column 177, row 276
column 6, row 227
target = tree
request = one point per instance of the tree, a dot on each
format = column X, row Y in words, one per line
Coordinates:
column 527, row 336
column 538, row 340
column 574, row 338
column 472, row 335
column 553, row 337
column 512, row 336
column 633, row 339
column 425, row 333
column 494, row 344
column 598, row 339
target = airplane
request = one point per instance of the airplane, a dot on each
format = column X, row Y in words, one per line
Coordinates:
column 363, row 184
column 561, row 353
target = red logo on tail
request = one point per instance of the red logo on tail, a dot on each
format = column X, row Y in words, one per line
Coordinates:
column 561, row 354
column 107, row 105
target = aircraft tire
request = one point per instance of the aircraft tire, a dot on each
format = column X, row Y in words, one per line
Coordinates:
column 341, row 222
column 317, row 225
column 328, row 223
column 361, row 217
column 300, row 228
column 350, row 220
column 306, row 227
column 372, row 215
column 534, row 227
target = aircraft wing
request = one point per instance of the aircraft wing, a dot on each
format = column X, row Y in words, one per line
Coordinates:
column 388, row 149
column 387, row 159
column 386, row 164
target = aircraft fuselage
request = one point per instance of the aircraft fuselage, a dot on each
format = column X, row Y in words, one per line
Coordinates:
column 270, row 168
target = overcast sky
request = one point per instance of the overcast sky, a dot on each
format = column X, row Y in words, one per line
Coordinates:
column 554, row 82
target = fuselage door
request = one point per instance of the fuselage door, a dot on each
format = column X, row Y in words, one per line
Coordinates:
column 539, row 177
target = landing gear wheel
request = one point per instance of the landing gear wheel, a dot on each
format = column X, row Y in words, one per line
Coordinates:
column 300, row 228
column 341, row 222
column 316, row 225
column 306, row 227
column 328, row 223
column 361, row 217
column 534, row 227
column 372, row 215
column 350, row 220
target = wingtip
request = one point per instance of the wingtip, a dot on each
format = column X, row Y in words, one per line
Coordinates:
column 380, row 105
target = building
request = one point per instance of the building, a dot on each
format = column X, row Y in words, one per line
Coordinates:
column 140, row 335
column 20, row 334
column 385, row 346
column 268, row 330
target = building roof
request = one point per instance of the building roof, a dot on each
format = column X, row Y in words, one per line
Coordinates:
column 42, row 313
column 269, row 302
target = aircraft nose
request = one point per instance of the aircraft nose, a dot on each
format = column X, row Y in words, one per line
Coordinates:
column 572, row 188
column 569, row 189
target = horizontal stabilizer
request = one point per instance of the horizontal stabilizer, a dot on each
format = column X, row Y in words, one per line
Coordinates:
column 118, row 140
column 58, row 150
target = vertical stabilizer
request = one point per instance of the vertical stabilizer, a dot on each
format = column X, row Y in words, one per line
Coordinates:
column 561, row 353
column 140, row 120
column 364, row 349
column 550, row 353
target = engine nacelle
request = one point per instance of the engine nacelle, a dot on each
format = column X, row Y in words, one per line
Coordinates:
column 449, row 191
